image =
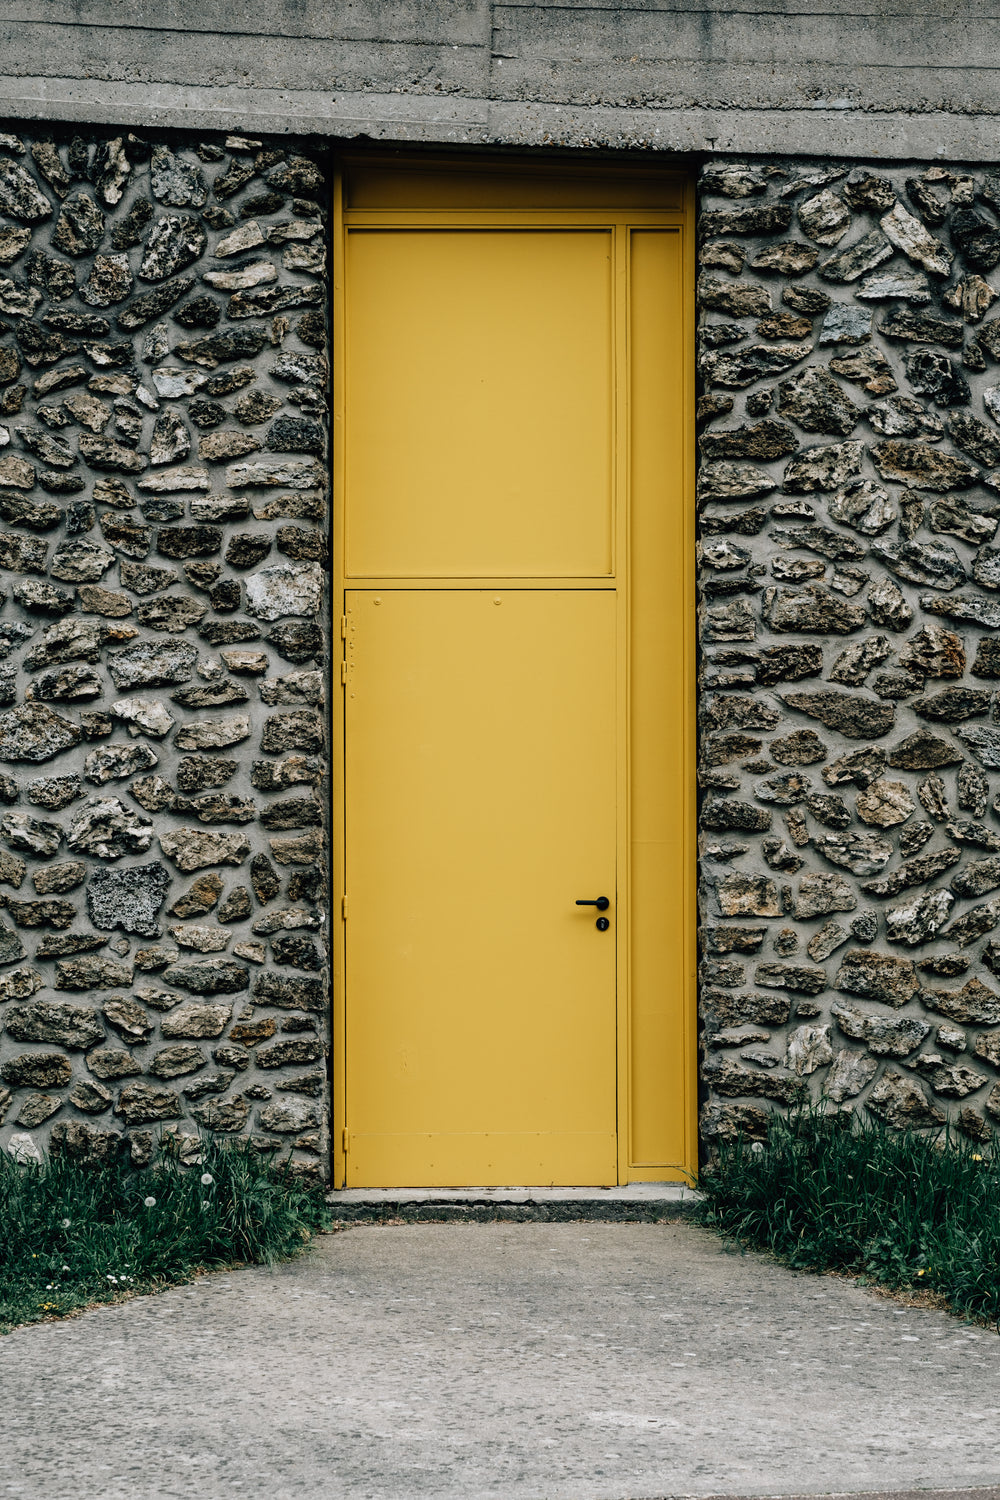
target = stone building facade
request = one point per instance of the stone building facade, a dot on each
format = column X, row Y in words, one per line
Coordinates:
column 849, row 577
column 164, row 463
column 163, row 489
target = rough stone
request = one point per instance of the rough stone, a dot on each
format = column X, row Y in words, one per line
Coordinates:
column 920, row 919
column 35, row 733
column 813, row 609
column 128, row 899
column 75, row 1027
column 109, row 830
column 855, row 717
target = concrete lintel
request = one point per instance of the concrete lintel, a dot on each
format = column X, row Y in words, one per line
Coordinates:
column 461, row 120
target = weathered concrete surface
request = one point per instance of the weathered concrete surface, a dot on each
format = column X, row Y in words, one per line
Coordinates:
column 896, row 78
column 571, row 1362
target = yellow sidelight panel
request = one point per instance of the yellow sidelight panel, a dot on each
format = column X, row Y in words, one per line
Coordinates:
column 481, row 754
column 662, row 784
column 478, row 437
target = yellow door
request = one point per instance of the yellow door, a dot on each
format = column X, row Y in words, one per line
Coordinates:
column 481, row 805
column 511, row 387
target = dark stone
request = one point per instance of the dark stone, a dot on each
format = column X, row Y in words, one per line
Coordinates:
column 296, row 952
column 263, row 879
column 75, row 1027
column 726, row 814
column 877, row 976
column 188, row 541
column 216, row 695
column 738, row 369
column 830, row 810
column 937, row 376
column 206, row 414
column 765, row 440
column 802, row 748
column 974, row 437
column 217, row 976
column 220, row 348
column 923, row 467
column 729, row 710
column 815, row 610
column 39, row 345
column 139, row 1103
column 236, row 906
column 856, row 718
column 866, row 367
column 198, row 772
column 294, row 435
column 976, row 239
column 864, row 255
column 757, row 219
column 128, row 230
column 915, row 872
column 822, row 468
column 923, row 751
column 79, row 229
column 294, row 812
column 128, row 899
column 932, row 563
column 199, row 312
column 905, row 325
column 854, row 664
column 287, row 993
column 815, row 401
column 228, row 632
column 305, row 546
column 296, row 641
column 247, row 549
column 987, row 662
column 954, row 704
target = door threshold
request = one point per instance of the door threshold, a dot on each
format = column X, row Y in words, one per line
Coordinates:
column 638, row 1202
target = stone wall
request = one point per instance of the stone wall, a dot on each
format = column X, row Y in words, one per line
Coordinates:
column 849, row 492
column 163, row 492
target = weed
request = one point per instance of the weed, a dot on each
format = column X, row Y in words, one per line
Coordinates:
column 74, row 1235
column 837, row 1193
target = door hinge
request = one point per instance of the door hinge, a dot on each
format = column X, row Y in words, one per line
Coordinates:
column 343, row 908
column 345, row 1141
column 343, row 627
column 343, row 671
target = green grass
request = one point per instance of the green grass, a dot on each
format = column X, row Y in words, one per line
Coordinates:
column 72, row 1235
column 836, row 1193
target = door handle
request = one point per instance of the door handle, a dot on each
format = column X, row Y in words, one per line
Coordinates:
column 602, row 903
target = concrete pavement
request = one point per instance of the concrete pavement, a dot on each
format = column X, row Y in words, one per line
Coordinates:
column 584, row 1361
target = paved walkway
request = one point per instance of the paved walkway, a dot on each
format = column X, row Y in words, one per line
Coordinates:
column 501, row 1362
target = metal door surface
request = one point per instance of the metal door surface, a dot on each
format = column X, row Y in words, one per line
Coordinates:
column 480, row 774
column 512, row 563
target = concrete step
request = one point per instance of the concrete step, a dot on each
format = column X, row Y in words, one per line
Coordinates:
column 650, row 1202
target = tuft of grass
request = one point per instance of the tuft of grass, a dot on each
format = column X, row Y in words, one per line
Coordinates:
column 74, row 1235
column 838, row 1193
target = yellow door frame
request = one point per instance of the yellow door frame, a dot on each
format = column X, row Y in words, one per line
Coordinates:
column 428, row 191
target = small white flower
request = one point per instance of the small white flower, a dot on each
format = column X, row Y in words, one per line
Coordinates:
column 207, row 1179
column 50, row 1284
column 63, row 1223
column 113, row 1279
column 149, row 1202
column 65, row 1268
column 757, row 1148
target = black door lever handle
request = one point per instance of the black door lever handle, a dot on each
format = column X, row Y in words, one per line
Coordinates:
column 602, row 903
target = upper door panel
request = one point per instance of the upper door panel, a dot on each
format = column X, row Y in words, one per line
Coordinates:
column 479, row 429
